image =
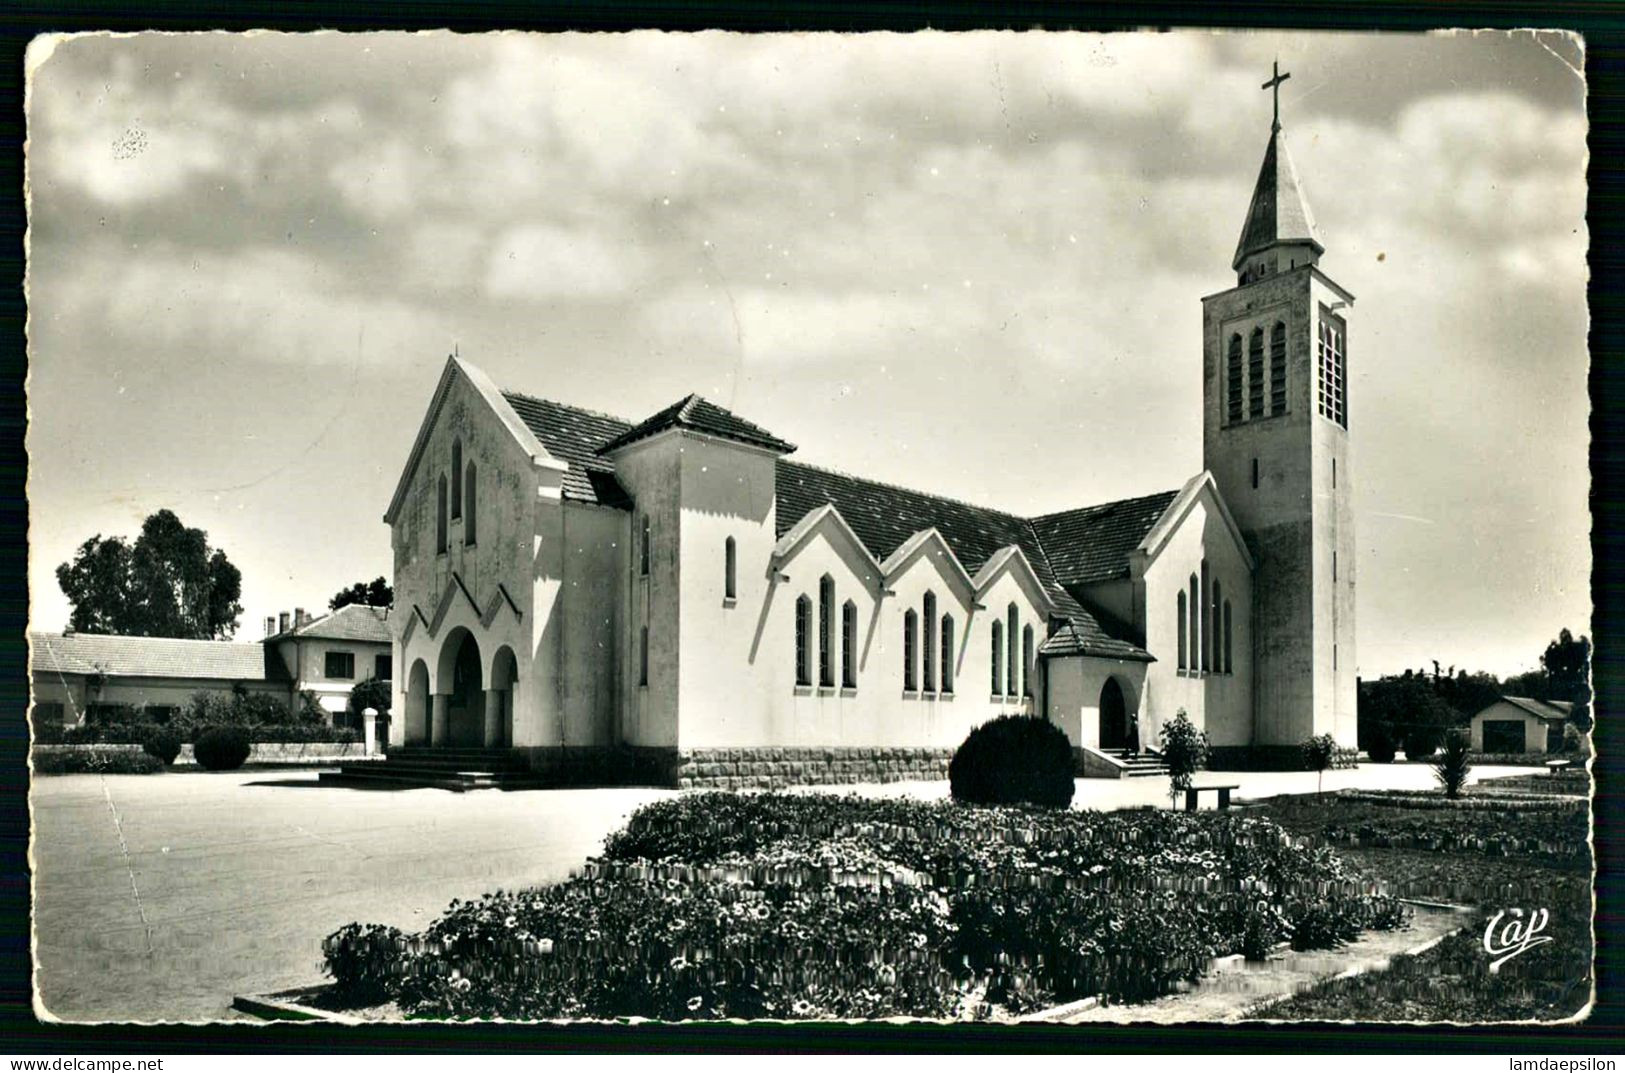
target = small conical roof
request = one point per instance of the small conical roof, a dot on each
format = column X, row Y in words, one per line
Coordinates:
column 1279, row 212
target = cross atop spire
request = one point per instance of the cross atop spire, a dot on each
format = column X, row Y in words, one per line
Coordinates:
column 1275, row 84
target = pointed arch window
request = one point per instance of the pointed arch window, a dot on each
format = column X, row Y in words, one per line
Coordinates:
column 1278, row 369
column 456, row 478
column 1255, row 374
column 1195, row 622
column 1205, row 646
column 1216, row 628
column 643, row 656
column 1012, row 682
column 730, row 569
column 849, row 645
column 1027, row 661
column 440, row 518
column 1229, row 640
column 1233, row 377
column 470, row 497
column 803, row 640
column 1184, row 655
column 911, row 640
column 998, row 658
column 928, row 613
column 645, row 539
column 826, row 631
column 947, row 653
column 1331, row 363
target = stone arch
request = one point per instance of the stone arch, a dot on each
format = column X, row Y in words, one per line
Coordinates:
column 416, row 729
column 504, row 689
column 459, row 687
column 1117, row 700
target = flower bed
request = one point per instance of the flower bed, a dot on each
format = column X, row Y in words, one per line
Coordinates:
column 722, row 905
column 1501, row 801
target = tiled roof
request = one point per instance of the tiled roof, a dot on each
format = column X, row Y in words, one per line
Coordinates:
column 1544, row 709
column 700, row 415
column 154, row 657
column 883, row 516
column 1092, row 543
column 353, row 622
column 573, row 436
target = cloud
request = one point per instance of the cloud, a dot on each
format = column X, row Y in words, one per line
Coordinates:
column 253, row 306
column 545, row 262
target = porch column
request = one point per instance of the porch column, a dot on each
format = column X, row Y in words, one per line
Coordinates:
column 438, row 720
column 493, row 717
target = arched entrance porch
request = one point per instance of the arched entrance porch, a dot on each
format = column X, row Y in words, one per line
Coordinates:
column 458, row 718
column 1113, row 716
column 417, row 704
column 499, row 698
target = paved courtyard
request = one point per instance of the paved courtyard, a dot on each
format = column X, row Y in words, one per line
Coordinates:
column 161, row 897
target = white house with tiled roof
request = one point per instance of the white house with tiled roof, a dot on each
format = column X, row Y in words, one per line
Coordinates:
column 76, row 672
column 329, row 654
column 679, row 587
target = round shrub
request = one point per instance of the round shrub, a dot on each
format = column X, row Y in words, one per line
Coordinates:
column 163, row 743
column 1382, row 749
column 1013, row 760
column 222, row 748
column 1420, row 750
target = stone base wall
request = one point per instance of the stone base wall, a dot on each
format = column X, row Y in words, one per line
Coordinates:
column 1271, row 758
column 602, row 765
column 767, row 768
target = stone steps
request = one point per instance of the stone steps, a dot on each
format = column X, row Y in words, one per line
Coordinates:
column 1143, row 766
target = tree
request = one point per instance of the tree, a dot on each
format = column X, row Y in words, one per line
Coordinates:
column 1317, row 755
column 1184, row 750
column 1567, row 663
column 370, row 693
column 169, row 583
column 376, row 593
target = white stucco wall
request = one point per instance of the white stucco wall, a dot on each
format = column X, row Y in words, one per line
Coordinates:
column 651, row 472
column 520, row 546
column 1076, row 683
column 1220, row 703
column 1534, row 728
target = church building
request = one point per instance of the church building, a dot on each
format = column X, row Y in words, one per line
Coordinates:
column 686, row 590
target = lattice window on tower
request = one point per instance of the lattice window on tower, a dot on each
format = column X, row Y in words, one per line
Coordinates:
column 1255, row 374
column 1278, row 369
column 1233, row 387
column 1333, row 371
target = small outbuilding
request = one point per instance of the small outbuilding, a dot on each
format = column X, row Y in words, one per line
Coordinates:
column 1521, row 725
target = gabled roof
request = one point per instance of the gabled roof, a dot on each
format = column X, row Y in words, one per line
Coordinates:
column 1279, row 212
column 1092, row 544
column 1544, row 709
column 353, row 622
column 154, row 657
column 700, row 415
column 882, row 517
column 573, row 436
column 1085, row 637
column 456, row 367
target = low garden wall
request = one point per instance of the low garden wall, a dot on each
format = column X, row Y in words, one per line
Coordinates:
column 1271, row 758
column 261, row 754
column 737, row 769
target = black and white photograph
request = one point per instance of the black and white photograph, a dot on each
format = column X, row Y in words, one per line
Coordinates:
column 1040, row 528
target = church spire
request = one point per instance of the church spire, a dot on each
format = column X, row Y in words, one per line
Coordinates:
column 1279, row 222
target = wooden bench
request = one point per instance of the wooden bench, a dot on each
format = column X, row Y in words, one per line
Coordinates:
column 1223, row 792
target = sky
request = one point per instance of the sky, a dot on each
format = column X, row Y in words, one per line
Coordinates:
column 966, row 263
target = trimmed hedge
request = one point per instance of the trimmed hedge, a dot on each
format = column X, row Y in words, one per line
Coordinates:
column 1013, row 760
column 807, row 905
column 222, row 748
column 75, row 760
column 269, row 734
column 163, row 743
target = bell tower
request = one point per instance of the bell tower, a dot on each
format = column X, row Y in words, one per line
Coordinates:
column 1275, row 435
